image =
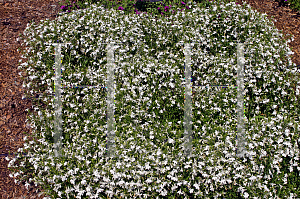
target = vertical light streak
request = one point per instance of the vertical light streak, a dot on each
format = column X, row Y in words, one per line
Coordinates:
column 240, row 102
column 188, row 102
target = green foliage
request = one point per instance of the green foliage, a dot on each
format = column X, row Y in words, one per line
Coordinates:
column 157, row 8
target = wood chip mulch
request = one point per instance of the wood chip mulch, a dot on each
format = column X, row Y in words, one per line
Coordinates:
column 14, row 16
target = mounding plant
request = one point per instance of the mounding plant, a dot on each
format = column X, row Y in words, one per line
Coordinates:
column 149, row 160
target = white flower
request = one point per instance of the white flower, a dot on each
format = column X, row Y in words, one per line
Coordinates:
column 180, row 192
column 149, row 181
column 164, row 192
column 171, row 141
column 16, row 174
column 147, row 166
column 72, row 181
column 16, row 181
column 27, row 185
column 246, row 195
column 63, row 178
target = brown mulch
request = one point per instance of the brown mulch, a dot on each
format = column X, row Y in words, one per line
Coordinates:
column 14, row 16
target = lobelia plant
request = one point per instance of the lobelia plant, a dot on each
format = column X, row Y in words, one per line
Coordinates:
column 149, row 106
